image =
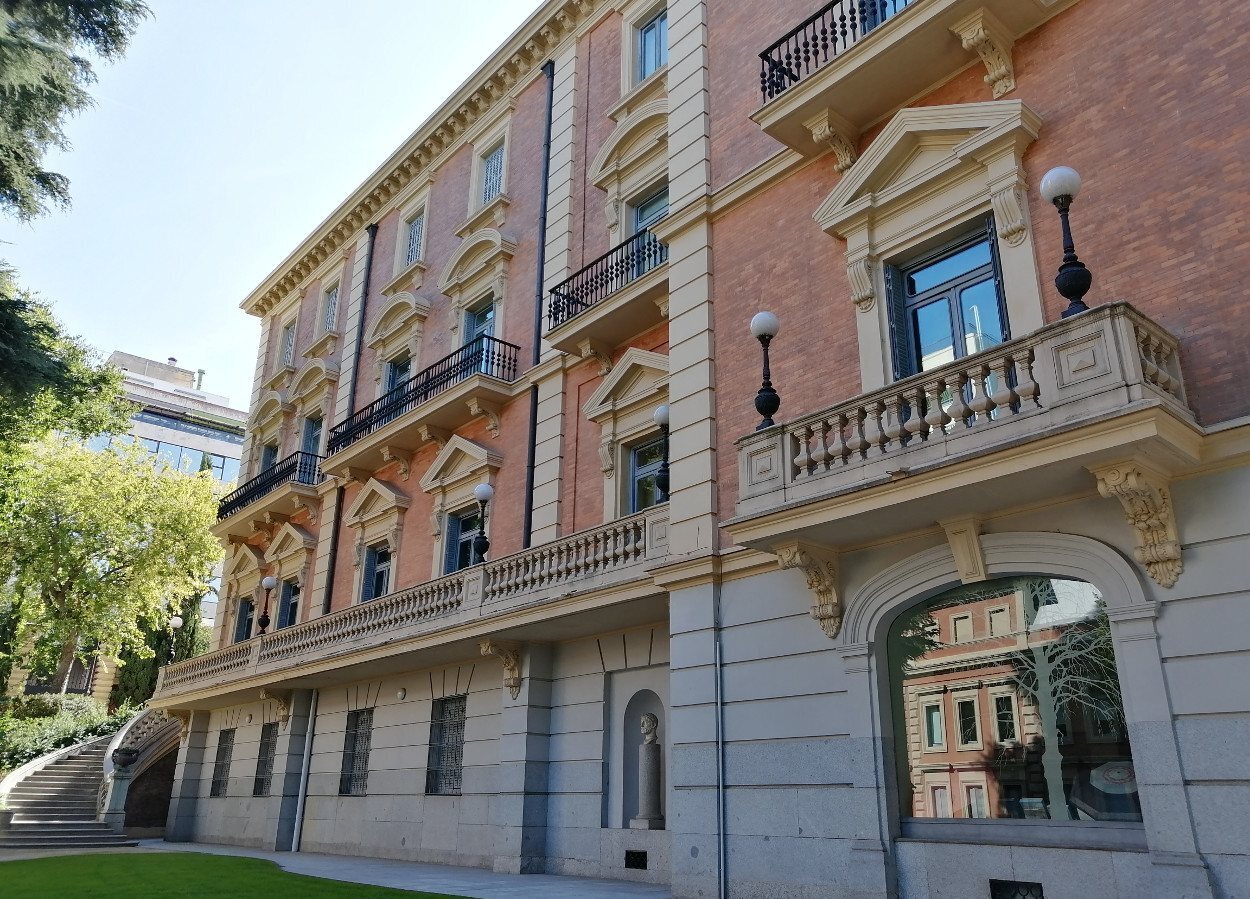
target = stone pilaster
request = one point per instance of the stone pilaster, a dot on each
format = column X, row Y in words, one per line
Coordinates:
column 520, row 806
column 189, row 777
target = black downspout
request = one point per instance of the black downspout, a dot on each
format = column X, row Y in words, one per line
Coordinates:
column 372, row 231
column 549, row 69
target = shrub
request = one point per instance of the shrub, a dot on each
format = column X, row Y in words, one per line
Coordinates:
column 25, row 734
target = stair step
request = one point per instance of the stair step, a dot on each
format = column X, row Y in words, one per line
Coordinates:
column 8, row 843
column 31, row 831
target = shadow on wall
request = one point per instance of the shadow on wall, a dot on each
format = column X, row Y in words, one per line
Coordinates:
column 642, row 702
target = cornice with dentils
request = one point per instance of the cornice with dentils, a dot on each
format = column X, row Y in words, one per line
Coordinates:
column 492, row 84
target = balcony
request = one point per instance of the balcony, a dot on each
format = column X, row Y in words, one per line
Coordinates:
column 470, row 382
column 569, row 578
column 1020, row 422
column 854, row 62
column 622, row 293
column 279, row 488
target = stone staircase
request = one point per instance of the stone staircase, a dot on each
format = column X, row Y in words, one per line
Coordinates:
column 55, row 808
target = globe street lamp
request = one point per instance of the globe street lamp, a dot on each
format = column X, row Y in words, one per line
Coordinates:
column 483, row 493
column 174, row 624
column 268, row 582
column 764, row 327
column 1060, row 186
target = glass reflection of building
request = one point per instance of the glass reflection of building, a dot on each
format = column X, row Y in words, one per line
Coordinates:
column 1005, row 694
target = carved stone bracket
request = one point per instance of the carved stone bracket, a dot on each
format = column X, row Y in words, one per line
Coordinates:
column 312, row 507
column 396, row 454
column 964, row 537
column 282, row 701
column 984, row 35
column 594, row 349
column 863, row 289
column 838, row 135
column 184, row 721
column 819, row 565
column 433, row 434
column 510, row 655
column 489, row 411
column 1009, row 215
column 1147, row 502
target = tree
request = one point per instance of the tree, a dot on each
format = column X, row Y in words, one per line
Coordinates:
column 43, row 80
column 136, row 676
column 98, row 546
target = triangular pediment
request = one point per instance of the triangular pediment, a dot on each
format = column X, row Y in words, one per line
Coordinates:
column 638, row 377
column 460, row 459
column 244, row 559
column 919, row 146
column 375, row 499
column 288, row 541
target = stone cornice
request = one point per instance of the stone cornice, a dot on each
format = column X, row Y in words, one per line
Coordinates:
column 494, row 82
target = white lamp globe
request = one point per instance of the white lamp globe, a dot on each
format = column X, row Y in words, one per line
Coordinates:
column 660, row 415
column 175, row 622
column 1061, row 181
column 269, row 582
column 483, row 493
column 765, row 324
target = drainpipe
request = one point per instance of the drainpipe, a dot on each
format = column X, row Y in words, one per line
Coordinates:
column 372, row 231
column 721, row 885
column 303, row 772
column 549, row 70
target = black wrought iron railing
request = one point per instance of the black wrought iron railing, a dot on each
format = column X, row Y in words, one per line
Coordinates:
column 481, row 356
column 832, row 30
column 297, row 468
column 597, row 281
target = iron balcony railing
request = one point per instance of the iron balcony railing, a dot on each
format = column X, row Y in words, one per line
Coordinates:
column 624, row 263
column 297, row 468
column 832, row 30
column 482, row 356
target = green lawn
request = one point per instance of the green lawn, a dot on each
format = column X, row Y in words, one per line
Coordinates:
column 160, row 874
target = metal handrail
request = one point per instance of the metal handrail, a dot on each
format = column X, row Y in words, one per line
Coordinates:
column 297, row 468
column 593, row 283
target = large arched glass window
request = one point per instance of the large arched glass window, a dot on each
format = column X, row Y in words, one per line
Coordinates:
column 1006, row 704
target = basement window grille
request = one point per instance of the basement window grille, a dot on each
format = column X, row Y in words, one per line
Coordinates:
column 446, row 765
column 636, row 859
column 1015, row 889
column 221, row 764
column 355, row 776
column 264, row 760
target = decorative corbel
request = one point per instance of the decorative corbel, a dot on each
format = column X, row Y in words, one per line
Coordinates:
column 964, row 537
column 1009, row 215
column 863, row 289
column 510, row 654
column 1147, row 500
column 276, row 519
column 487, row 410
column 819, row 565
column 282, row 700
column 396, row 454
column 836, row 133
column 607, row 455
column 392, row 539
column 434, row 435
column 984, row 35
column 358, row 551
column 352, row 473
column 436, row 519
column 612, row 212
column 310, row 507
column 184, row 722
column 597, row 350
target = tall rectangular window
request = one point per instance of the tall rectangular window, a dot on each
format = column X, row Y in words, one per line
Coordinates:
column 961, row 625
column 934, row 727
column 354, row 778
column 492, row 173
column 288, row 606
column 969, row 729
column 398, row 370
column 221, row 764
column 653, row 45
column 479, row 322
column 377, row 579
column 330, row 310
column 264, row 759
column 310, row 440
column 287, row 352
column 243, row 621
column 940, row 802
column 268, row 456
column 445, row 770
column 644, row 466
column 461, row 531
column 1000, row 622
column 976, row 802
column 416, row 230
column 1005, row 718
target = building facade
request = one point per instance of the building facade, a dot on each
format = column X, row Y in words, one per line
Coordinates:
column 967, row 620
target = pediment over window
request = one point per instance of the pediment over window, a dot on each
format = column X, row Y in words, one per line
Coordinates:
column 272, row 405
column 243, row 568
column 314, row 374
column 638, row 136
column 288, row 541
column 398, row 317
column 484, row 252
column 376, row 499
column 640, row 376
column 460, row 460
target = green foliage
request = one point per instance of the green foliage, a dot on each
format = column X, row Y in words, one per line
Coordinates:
column 136, row 679
column 43, row 80
column 35, row 725
column 95, row 545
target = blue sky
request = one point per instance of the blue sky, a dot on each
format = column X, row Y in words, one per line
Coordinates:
column 227, row 133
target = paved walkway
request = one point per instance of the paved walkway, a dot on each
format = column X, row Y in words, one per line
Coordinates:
column 457, row 881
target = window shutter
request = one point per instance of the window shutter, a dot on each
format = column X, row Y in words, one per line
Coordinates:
column 451, row 536
column 992, row 235
column 900, row 343
column 371, row 567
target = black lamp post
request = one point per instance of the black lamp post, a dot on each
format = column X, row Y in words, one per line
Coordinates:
column 268, row 582
column 764, row 327
column 1060, row 186
column 483, row 493
column 660, row 417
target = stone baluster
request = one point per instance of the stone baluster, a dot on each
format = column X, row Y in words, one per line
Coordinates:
column 1026, row 387
column 935, row 415
column 802, row 458
column 980, row 403
column 840, row 450
column 873, row 435
column 855, row 442
column 959, row 411
column 892, row 423
column 915, row 426
column 820, row 452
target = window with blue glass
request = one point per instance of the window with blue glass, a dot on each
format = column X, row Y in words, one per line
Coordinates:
column 480, row 321
column 653, row 45
column 398, row 370
column 377, row 579
column 243, row 621
column 461, row 529
column 288, row 605
column 644, row 466
column 311, row 438
column 268, row 456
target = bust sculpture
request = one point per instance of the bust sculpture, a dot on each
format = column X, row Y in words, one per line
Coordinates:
column 650, row 723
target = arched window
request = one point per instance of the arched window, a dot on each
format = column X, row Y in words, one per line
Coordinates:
column 1006, row 704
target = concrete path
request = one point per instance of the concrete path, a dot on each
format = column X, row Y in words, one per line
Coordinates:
column 432, row 878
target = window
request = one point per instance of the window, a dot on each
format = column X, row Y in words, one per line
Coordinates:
column 286, row 353
column 1000, row 622
column 651, row 209
column 940, row 802
column 934, row 726
column 264, row 759
column 1075, row 761
column 377, row 580
column 480, row 321
column 268, row 456
column 492, row 173
column 330, row 309
column 354, row 777
column 415, row 231
column 947, row 305
column 653, row 45
column 961, row 628
column 461, row 531
column 243, row 622
column 644, row 465
column 310, row 441
column 288, row 605
column 398, row 370
column 221, row 765
column 445, row 769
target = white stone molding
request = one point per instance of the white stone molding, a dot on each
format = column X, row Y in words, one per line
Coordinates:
column 861, row 274
column 831, row 130
column 1009, row 217
column 485, row 409
column 477, row 269
column 633, row 160
column 400, row 327
column 984, row 35
column 819, row 565
column 377, row 515
column 282, row 704
column 460, row 466
column 1147, row 500
column 510, row 655
column 598, row 351
column 290, row 554
column 400, row 455
column 964, row 537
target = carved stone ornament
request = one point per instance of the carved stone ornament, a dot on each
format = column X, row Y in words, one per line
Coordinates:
column 838, row 135
column 1147, row 503
column 396, row 454
column 489, row 411
column 184, row 721
column 358, row 552
column 985, row 35
column 1009, row 215
column 964, row 537
column 282, row 702
column 311, row 508
column 594, row 349
column 863, row 291
column 510, row 655
column 819, row 565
